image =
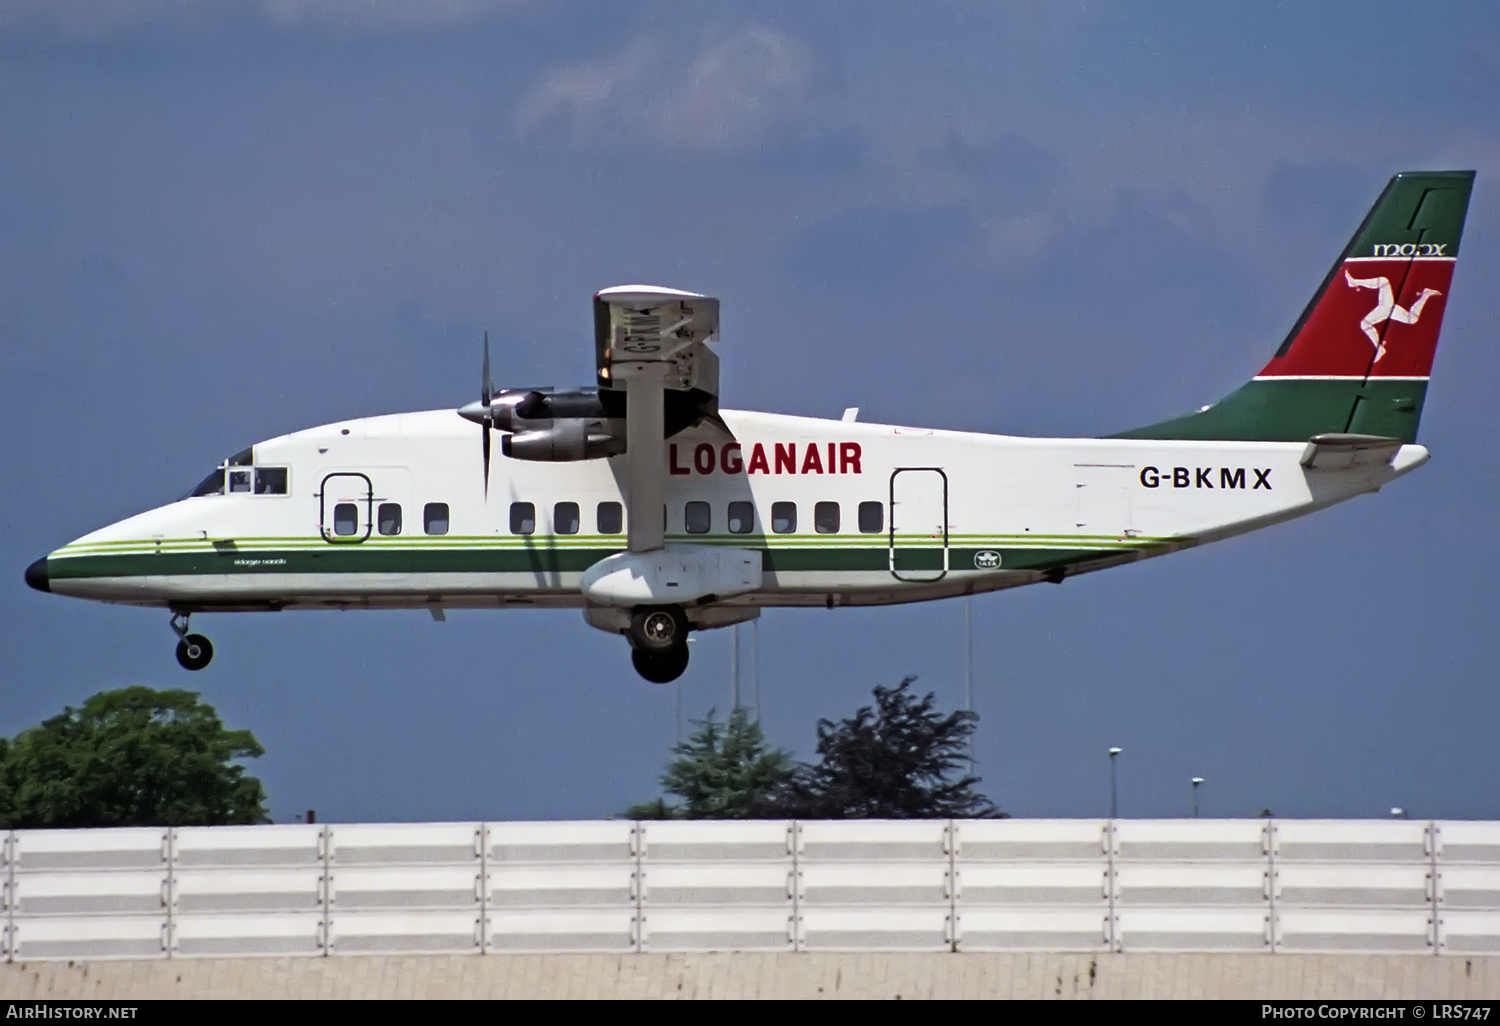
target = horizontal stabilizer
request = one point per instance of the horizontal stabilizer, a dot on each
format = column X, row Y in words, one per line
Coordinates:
column 1344, row 452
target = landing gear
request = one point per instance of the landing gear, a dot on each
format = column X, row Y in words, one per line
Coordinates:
column 658, row 630
column 194, row 651
column 660, row 669
column 658, row 639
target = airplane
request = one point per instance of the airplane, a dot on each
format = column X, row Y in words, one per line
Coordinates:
column 765, row 510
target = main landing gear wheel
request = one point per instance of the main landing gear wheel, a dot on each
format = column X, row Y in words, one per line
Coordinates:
column 195, row 652
column 659, row 630
column 660, row 668
column 658, row 640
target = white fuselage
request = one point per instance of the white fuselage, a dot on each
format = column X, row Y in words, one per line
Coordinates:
column 920, row 514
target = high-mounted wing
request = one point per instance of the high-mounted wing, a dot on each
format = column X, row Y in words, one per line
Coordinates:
column 633, row 322
column 651, row 342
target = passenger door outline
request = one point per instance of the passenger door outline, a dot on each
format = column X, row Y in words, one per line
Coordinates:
column 926, row 499
column 346, row 486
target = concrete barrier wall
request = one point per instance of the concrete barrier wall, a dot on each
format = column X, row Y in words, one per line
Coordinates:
column 1303, row 887
column 893, row 975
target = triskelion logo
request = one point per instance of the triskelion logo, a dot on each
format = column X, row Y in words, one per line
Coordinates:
column 1386, row 308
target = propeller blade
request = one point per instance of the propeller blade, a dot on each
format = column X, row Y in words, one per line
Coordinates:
column 481, row 413
column 488, row 391
column 485, row 428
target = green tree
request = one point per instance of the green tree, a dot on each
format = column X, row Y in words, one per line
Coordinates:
column 131, row 757
column 725, row 770
column 890, row 761
column 7, row 793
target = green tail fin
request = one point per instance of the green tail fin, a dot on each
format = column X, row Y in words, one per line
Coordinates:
column 1359, row 358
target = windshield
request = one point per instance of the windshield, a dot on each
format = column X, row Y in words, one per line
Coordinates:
column 213, row 484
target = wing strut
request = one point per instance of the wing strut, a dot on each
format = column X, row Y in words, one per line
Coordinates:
column 646, row 456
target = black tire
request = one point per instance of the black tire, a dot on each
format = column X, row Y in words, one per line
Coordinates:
column 659, row 630
column 194, row 652
column 660, row 667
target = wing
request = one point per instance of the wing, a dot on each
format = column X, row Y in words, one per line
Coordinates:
column 646, row 321
column 652, row 343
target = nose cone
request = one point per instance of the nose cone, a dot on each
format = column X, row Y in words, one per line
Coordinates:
column 36, row 575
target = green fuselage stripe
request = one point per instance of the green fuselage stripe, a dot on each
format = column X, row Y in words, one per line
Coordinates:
column 542, row 559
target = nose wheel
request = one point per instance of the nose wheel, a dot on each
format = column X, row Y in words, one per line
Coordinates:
column 194, row 651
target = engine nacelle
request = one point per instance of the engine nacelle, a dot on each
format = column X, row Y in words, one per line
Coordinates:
column 562, row 441
column 510, row 409
column 533, row 410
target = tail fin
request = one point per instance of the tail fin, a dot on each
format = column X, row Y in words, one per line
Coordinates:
column 1358, row 359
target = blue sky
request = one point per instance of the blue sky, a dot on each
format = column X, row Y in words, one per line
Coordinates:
column 228, row 219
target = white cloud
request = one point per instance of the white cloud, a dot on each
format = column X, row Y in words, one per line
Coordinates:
column 733, row 93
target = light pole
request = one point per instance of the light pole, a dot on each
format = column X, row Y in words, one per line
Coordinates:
column 1113, row 793
column 755, row 662
column 1196, row 782
column 969, row 670
column 734, row 669
column 677, row 700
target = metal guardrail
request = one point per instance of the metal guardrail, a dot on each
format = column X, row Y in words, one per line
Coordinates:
column 935, row 885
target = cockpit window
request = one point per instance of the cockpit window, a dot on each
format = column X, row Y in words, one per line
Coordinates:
column 239, row 474
column 270, row 480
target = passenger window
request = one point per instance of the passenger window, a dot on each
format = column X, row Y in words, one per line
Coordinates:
column 697, row 518
column 826, row 518
column 871, row 517
column 522, row 518
column 565, row 518
column 239, row 480
column 783, row 517
column 611, row 518
column 435, row 518
column 741, row 517
column 388, row 518
column 270, row 480
column 345, row 519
